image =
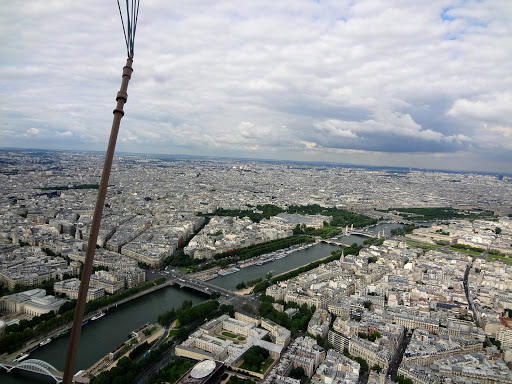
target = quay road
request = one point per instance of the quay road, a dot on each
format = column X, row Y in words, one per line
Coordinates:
column 179, row 278
column 166, row 358
column 34, row 343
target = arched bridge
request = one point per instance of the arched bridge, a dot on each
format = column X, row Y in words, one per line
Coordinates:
column 360, row 233
column 201, row 286
column 36, row 366
column 335, row 242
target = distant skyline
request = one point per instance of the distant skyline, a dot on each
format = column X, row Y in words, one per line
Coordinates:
column 309, row 163
column 369, row 82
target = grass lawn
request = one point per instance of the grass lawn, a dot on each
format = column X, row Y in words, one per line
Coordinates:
column 264, row 366
column 466, row 251
column 420, row 243
column 185, row 269
column 241, row 338
column 424, row 246
column 506, row 260
column 267, row 363
column 172, row 332
column 229, row 334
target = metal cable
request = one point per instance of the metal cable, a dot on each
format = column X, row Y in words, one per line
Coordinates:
column 122, row 23
column 132, row 15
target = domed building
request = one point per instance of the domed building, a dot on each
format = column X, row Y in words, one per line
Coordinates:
column 207, row 371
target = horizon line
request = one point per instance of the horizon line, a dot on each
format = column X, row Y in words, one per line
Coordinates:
column 330, row 163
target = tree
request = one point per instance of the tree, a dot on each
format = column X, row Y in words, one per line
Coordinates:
column 254, row 357
column 362, row 362
column 497, row 343
column 261, row 286
column 374, row 336
column 376, row 368
column 166, row 317
column 296, row 373
column 142, row 265
column 367, row 304
column 403, row 380
column 229, row 309
column 248, row 308
column 241, row 286
column 497, row 230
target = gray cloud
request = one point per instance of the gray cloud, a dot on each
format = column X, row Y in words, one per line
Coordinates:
column 399, row 81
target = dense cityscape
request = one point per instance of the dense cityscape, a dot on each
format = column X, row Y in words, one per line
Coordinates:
column 343, row 274
column 295, row 192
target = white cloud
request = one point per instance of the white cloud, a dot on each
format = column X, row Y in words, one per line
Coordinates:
column 335, row 128
column 495, row 108
column 505, row 131
column 266, row 76
column 491, row 117
column 383, row 122
column 33, row 132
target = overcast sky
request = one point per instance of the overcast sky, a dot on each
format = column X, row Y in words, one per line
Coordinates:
column 408, row 83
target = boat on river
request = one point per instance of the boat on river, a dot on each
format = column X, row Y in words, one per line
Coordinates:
column 98, row 316
column 65, row 332
column 247, row 264
column 224, row 272
column 21, row 358
column 47, row 341
column 207, row 277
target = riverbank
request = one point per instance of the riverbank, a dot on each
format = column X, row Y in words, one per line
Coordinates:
column 245, row 291
column 301, row 266
column 100, row 337
column 266, row 258
column 33, row 344
column 292, row 261
column 106, row 363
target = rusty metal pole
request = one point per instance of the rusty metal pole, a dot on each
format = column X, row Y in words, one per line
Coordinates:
column 121, row 99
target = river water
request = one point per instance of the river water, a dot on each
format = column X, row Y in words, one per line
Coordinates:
column 295, row 259
column 100, row 337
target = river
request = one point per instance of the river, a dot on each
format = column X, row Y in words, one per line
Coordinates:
column 295, row 259
column 101, row 336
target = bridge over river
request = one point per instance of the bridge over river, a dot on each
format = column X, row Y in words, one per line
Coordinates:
column 35, row 366
column 360, row 233
column 335, row 242
column 198, row 285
